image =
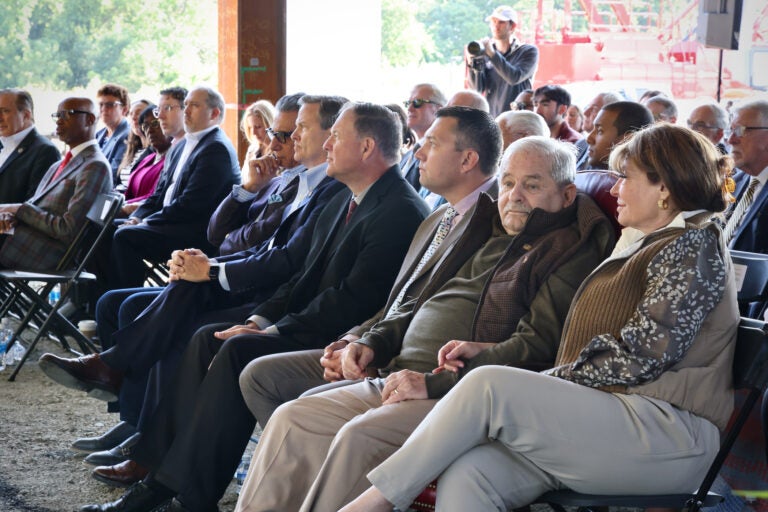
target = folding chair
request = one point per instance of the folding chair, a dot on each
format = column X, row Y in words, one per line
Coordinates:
column 750, row 372
column 99, row 218
column 751, row 280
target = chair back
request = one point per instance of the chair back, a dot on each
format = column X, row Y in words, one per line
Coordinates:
column 751, row 275
column 598, row 185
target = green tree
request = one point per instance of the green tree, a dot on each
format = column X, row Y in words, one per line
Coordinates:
column 452, row 24
column 404, row 39
column 63, row 44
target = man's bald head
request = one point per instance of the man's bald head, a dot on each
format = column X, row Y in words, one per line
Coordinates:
column 76, row 121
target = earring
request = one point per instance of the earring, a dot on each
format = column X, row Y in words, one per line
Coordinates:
column 663, row 205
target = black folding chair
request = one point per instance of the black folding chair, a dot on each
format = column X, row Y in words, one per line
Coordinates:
column 750, row 372
column 752, row 278
column 99, row 218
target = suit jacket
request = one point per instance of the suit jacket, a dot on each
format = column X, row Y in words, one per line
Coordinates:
column 25, row 167
column 207, row 176
column 237, row 226
column 351, row 267
column 411, row 174
column 52, row 217
column 426, row 278
column 752, row 234
column 262, row 268
column 114, row 148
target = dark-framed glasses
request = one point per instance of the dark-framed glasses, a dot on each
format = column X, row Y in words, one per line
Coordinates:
column 165, row 108
column 146, row 126
column 281, row 137
column 418, row 103
column 739, row 131
column 66, row 114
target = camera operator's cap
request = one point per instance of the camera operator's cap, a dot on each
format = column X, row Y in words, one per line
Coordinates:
column 503, row 13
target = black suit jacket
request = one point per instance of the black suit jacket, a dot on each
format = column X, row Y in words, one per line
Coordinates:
column 207, row 177
column 411, row 174
column 22, row 171
column 351, row 267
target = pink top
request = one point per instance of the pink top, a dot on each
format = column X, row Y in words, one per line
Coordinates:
column 143, row 179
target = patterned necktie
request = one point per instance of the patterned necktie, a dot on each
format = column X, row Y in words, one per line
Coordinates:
column 62, row 165
column 350, row 211
column 442, row 231
column 741, row 208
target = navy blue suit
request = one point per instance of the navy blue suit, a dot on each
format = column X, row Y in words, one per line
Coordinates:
column 752, row 234
column 159, row 336
column 114, row 147
column 207, row 177
column 411, row 174
column 22, row 171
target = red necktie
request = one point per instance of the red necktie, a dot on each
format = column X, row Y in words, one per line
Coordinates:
column 350, row 211
column 62, row 165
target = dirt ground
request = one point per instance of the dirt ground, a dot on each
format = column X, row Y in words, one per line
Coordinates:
column 39, row 419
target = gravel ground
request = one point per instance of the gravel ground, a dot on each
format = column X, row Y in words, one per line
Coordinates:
column 39, row 419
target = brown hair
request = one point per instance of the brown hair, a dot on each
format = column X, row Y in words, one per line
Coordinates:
column 118, row 91
column 685, row 161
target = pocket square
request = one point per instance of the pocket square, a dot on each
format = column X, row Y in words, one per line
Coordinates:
column 275, row 198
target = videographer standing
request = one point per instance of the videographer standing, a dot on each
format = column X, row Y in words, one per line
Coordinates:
column 501, row 66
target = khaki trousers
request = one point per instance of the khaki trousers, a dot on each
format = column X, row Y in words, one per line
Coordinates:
column 316, row 450
column 503, row 436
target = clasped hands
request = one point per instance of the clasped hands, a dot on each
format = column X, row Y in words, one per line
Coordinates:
column 189, row 265
column 344, row 359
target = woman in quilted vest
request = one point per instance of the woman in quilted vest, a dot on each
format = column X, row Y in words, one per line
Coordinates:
column 642, row 381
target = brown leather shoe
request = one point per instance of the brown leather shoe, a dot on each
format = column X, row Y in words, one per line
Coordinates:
column 124, row 474
column 88, row 373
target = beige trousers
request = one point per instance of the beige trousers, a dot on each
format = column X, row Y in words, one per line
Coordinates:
column 316, row 451
column 503, row 436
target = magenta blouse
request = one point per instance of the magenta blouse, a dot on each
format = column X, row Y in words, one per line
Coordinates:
column 143, row 179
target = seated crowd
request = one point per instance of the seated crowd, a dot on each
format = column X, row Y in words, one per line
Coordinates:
column 397, row 295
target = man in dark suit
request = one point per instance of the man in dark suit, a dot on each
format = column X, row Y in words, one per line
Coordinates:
column 113, row 109
column 202, row 169
column 205, row 290
column 39, row 230
column 747, row 226
column 357, row 247
column 25, row 155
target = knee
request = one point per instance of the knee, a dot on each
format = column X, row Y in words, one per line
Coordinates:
column 249, row 377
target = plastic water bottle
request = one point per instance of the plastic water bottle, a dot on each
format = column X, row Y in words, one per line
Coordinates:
column 5, row 336
column 242, row 471
column 54, row 295
column 18, row 351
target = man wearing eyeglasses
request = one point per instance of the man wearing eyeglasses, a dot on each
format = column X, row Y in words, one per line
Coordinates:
column 747, row 226
column 38, row 231
column 710, row 120
column 113, row 105
column 25, row 155
column 170, row 112
column 421, row 108
column 506, row 66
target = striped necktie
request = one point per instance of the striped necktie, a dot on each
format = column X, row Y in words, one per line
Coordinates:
column 741, row 208
column 442, row 231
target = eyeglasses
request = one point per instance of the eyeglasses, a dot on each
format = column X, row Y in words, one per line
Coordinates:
column 699, row 125
column 418, row 102
column 281, row 137
column 165, row 108
column 523, row 106
column 148, row 125
column 739, row 131
column 66, row 114
column 110, row 104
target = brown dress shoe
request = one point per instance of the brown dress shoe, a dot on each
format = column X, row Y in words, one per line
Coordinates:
column 88, row 373
column 124, row 474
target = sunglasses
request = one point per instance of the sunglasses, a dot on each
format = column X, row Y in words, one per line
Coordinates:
column 281, row 137
column 418, row 102
column 66, row 114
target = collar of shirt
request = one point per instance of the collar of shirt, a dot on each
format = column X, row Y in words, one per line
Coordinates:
column 468, row 201
column 359, row 197
column 288, row 174
column 308, row 181
column 80, row 147
column 12, row 142
column 195, row 137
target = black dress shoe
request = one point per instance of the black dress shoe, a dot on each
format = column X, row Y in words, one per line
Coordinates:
column 139, row 498
column 88, row 373
column 107, row 440
column 116, row 455
column 120, row 475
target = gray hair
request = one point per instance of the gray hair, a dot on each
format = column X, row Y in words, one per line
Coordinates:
column 761, row 106
column 670, row 109
column 561, row 155
column 718, row 112
column 436, row 95
column 524, row 121
column 213, row 100
column 610, row 97
column 469, row 98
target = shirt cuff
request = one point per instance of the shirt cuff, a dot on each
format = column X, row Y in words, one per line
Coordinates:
column 261, row 322
column 223, row 281
column 241, row 195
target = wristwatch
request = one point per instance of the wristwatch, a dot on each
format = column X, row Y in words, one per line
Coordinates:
column 213, row 272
